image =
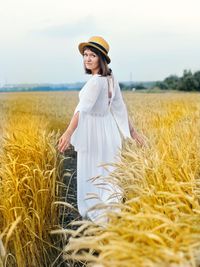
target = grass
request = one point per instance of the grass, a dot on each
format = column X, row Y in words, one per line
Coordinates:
column 158, row 223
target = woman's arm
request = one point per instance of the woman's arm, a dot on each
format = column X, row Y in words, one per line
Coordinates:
column 130, row 125
column 87, row 100
column 73, row 124
column 134, row 133
column 64, row 141
column 131, row 128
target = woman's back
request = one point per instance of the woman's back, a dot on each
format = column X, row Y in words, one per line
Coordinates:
column 100, row 84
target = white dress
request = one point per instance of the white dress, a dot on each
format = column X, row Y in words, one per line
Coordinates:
column 97, row 140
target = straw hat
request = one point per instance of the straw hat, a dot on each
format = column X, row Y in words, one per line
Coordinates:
column 99, row 43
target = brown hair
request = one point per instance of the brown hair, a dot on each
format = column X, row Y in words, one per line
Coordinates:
column 104, row 69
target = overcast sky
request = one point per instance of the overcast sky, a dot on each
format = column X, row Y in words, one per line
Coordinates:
column 149, row 39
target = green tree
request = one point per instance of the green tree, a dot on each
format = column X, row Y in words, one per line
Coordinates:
column 197, row 78
column 171, row 82
column 187, row 82
column 140, row 86
column 161, row 85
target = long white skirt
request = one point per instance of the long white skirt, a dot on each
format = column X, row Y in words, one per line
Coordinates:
column 103, row 147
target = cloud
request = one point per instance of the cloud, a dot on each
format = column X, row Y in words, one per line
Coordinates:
column 82, row 26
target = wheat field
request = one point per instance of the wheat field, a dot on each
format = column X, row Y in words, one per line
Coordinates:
column 158, row 223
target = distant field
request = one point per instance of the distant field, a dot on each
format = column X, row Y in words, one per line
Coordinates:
column 159, row 221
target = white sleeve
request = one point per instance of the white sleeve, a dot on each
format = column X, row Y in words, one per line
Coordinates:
column 119, row 111
column 89, row 95
column 87, row 99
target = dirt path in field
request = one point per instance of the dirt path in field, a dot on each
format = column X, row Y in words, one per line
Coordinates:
column 69, row 195
column 70, row 190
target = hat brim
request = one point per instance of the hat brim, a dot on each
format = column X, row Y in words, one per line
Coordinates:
column 82, row 45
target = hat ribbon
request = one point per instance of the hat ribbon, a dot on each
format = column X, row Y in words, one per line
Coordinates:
column 100, row 46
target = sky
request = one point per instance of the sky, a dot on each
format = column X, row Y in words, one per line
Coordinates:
column 149, row 39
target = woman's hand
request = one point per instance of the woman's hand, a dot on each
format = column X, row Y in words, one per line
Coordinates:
column 137, row 137
column 64, row 142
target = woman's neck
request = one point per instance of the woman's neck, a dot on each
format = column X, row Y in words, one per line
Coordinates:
column 95, row 71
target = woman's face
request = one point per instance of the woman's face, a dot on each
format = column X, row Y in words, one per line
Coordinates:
column 91, row 61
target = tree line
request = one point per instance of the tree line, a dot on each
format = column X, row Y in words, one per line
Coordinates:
column 187, row 82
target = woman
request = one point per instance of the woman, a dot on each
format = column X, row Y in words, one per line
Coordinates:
column 97, row 128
